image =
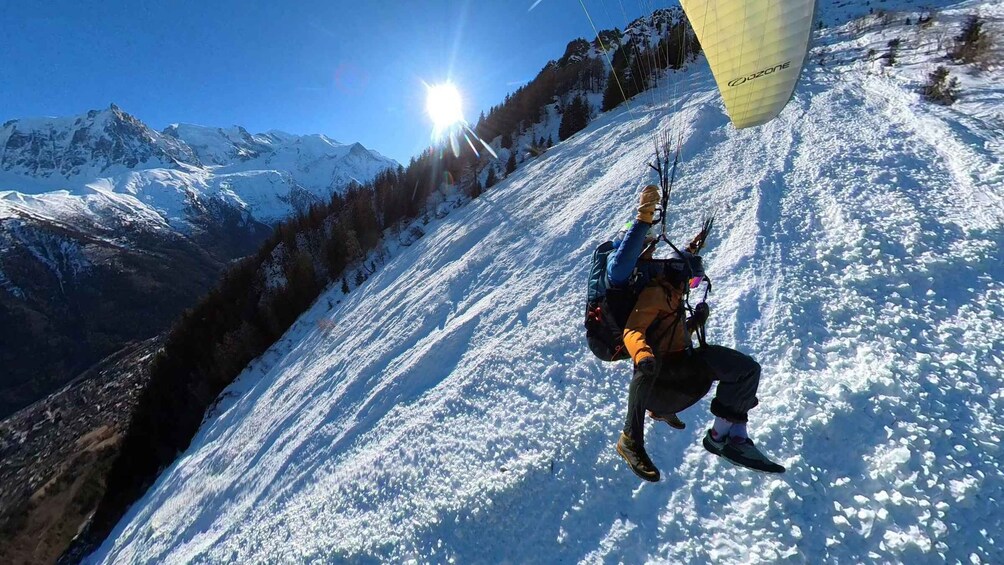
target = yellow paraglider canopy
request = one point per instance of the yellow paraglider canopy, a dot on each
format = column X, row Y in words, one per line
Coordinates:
column 756, row 49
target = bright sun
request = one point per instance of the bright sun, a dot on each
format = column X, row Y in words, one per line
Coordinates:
column 444, row 106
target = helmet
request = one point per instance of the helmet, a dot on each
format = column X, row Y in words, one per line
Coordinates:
column 678, row 268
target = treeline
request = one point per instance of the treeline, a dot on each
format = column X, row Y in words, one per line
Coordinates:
column 581, row 70
column 252, row 306
column 527, row 106
column 636, row 66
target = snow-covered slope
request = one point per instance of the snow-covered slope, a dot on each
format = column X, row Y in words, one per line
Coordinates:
column 449, row 411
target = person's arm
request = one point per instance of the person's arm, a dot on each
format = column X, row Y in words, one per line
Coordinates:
column 624, row 258
column 699, row 318
column 646, row 310
column 622, row 261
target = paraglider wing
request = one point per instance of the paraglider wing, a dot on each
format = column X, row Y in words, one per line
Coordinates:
column 755, row 49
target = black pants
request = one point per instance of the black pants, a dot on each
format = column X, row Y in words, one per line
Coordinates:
column 684, row 378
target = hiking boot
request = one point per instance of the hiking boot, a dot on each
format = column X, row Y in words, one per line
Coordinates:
column 637, row 459
column 672, row 419
column 742, row 452
column 715, row 445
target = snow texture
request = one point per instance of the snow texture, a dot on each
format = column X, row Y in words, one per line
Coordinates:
column 448, row 410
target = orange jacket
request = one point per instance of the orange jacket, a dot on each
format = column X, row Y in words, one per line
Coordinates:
column 659, row 315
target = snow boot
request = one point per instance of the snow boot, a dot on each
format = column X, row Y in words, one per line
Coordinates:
column 672, row 419
column 637, row 459
column 742, row 452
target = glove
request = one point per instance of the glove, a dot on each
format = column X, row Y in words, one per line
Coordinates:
column 702, row 237
column 696, row 242
column 700, row 316
column 647, row 203
column 646, row 366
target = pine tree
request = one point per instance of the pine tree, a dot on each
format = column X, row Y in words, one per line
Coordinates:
column 490, row 180
column 612, row 95
column 574, row 119
column 939, row 89
column 510, row 165
column 364, row 220
column 890, row 57
column 476, row 189
column 302, row 282
column 334, row 255
column 678, row 45
column 972, row 43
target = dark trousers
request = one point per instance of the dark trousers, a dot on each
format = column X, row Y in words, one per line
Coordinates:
column 684, row 378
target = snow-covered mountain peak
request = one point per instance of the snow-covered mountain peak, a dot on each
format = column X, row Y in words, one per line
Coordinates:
column 220, row 146
column 644, row 30
column 280, row 135
column 650, row 29
column 92, row 205
column 94, row 143
column 235, row 149
column 176, row 172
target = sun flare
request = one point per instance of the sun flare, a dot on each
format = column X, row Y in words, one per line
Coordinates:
column 444, row 106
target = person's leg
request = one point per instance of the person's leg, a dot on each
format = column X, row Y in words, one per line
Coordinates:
column 738, row 377
column 631, row 445
column 682, row 382
column 638, row 394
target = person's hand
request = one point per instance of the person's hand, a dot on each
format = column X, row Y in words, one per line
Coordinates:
column 646, row 366
column 700, row 316
column 702, row 237
column 647, row 203
column 696, row 243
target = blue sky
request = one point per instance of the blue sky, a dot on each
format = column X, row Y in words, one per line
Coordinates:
column 351, row 70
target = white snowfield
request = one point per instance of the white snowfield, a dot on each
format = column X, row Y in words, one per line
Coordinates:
column 448, row 410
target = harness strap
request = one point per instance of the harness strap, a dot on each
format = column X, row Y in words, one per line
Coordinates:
column 672, row 328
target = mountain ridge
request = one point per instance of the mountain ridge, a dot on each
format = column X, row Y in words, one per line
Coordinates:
column 91, row 205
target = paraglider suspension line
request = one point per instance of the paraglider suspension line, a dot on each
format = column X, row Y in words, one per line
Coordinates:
column 667, row 175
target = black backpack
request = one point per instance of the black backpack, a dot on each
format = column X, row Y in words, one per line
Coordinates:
column 607, row 309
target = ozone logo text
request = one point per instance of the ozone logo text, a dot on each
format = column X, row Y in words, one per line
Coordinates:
column 758, row 74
